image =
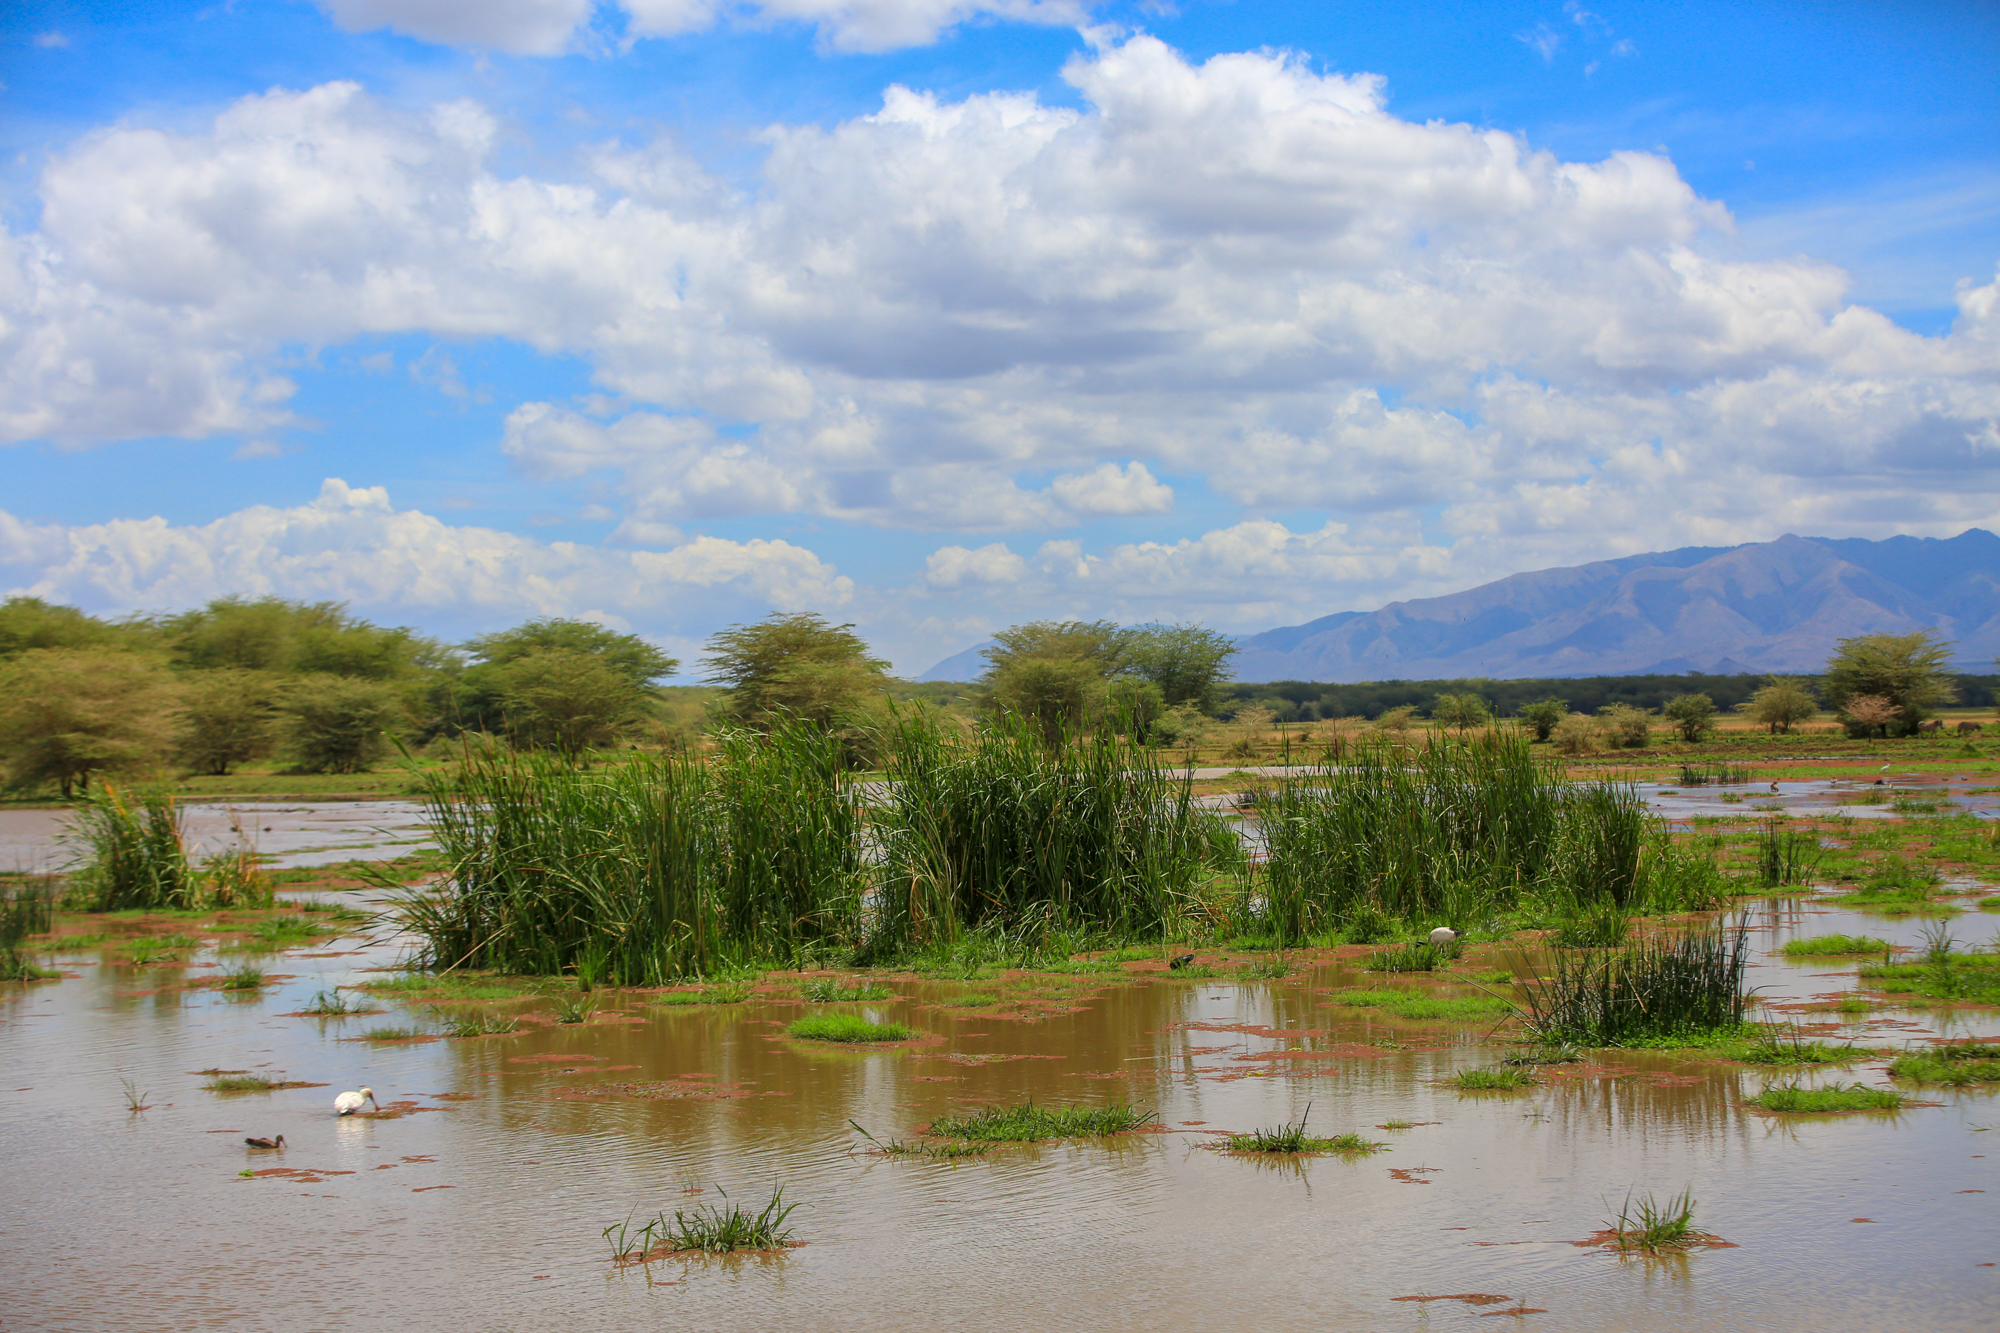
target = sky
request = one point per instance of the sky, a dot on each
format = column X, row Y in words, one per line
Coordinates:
column 938, row 316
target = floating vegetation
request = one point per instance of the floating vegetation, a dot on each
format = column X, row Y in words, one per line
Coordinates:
column 1794, row 1098
column 477, row 1025
column 829, row 990
column 1507, row 1078
column 711, row 1229
column 726, row 992
column 1684, row 985
column 1292, row 1137
column 1836, row 946
column 934, row 1150
column 1421, row 1007
column 1031, row 1121
column 1648, row 1227
column 280, row 932
column 1955, row 1065
column 1422, row 956
column 845, row 1028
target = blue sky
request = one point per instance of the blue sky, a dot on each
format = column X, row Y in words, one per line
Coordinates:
column 672, row 312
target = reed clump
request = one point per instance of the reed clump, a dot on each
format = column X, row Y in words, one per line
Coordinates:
column 845, row 1028
column 331, row 1004
column 24, row 911
column 132, row 853
column 1659, row 988
column 1032, row 1121
column 724, row 1228
column 1293, row 1138
column 1794, row 1098
column 1836, row 946
column 1954, row 1064
column 241, row 979
column 1504, row 1079
column 1649, row 1227
column 830, row 990
column 1419, row 957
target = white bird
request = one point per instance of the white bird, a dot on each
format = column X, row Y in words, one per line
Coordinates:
column 347, row 1103
column 1444, row 935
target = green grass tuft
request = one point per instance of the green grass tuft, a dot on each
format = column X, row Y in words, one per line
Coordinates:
column 239, row 1083
column 1792, row 1098
column 714, row 1229
column 1835, row 946
column 1652, row 1228
column 1504, row 1079
column 1420, row 957
column 390, row 1033
column 241, row 978
column 1421, row 1007
column 1030, row 1121
column 828, row 990
column 846, row 1028
column 1292, row 1137
column 1956, row 1065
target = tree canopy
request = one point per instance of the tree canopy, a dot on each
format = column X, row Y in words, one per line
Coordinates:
column 795, row 666
column 1908, row 670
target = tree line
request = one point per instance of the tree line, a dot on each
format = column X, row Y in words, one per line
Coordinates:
column 247, row 679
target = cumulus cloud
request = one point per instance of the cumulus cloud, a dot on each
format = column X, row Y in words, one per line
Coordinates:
column 952, row 566
column 351, row 544
column 549, row 27
column 994, row 314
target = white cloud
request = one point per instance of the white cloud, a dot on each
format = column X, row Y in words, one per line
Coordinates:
column 1240, row 273
column 351, row 545
column 952, row 566
column 521, row 27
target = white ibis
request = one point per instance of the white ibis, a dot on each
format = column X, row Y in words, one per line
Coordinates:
column 278, row 1142
column 1444, row 935
column 347, row 1103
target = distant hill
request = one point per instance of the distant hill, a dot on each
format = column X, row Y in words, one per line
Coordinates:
column 1762, row 606
column 968, row 665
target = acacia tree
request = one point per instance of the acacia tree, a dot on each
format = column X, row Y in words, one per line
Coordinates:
column 335, row 724
column 570, row 701
column 1784, row 701
column 1542, row 717
column 1909, row 670
column 1461, row 711
column 796, row 666
column 1054, row 673
column 65, row 715
column 1692, row 715
column 226, row 716
column 493, row 693
column 1189, row 663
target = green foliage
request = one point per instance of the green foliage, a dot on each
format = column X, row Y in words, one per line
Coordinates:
column 1654, row 1228
column 1785, row 856
column 66, row 714
column 1461, row 711
column 564, row 700
column 1292, row 1137
column 1031, row 1121
column 1002, row 829
column 1451, row 832
column 1627, row 727
column 627, row 655
column 29, row 623
column 1907, row 670
column 1658, row 988
column 829, row 990
column 712, row 1229
column 1782, row 703
column 1792, row 1098
column 1601, row 926
column 1507, row 1078
column 1419, row 957
column 226, row 716
column 1188, row 663
column 1692, row 715
column 295, row 638
column 796, row 667
column 1543, row 716
column 1421, row 1007
column 336, row 724
column 239, row 1083
column 132, row 852
column 1822, row 946
column 1958, row 1064
column 24, row 910
column 845, row 1028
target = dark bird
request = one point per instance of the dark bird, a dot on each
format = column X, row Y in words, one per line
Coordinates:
column 1181, row 962
column 278, row 1142
column 1774, row 788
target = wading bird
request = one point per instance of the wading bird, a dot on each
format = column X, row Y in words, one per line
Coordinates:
column 278, row 1142
column 1445, row 935
column 347, row 1103
column 1774, row 789
column 1181, row 962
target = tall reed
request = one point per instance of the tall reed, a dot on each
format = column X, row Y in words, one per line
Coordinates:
column 26, row 910
column 660, row 867
column 133, row 851
column 1005, row 828
column 1439, row 833
column 1683, row 985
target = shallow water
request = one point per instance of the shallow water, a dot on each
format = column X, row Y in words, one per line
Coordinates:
column 482, row 1205
column 288, row 835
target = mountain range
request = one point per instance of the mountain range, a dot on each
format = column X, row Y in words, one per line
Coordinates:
column 1763, row 606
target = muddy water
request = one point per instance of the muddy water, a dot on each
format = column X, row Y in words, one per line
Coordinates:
column 480, row 1205
column 287, row 835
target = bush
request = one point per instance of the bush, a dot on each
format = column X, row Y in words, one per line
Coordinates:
column 66, row 715
column 1628, row 727
column 226, row 717
column 339, row 725
column 1577, row 734
column 1540, row 718
column 1692, row 715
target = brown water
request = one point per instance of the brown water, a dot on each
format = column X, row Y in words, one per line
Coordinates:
column 482, row 1206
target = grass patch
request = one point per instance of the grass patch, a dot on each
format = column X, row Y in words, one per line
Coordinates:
column 1507, row 1078
column 1957, row 1065
column 846, row 1028
column 1603, row 928
column 392, row 1033
column 1293, row 1137
column 725, row 1228
column 1030, row 1122
column 1654, row 1228
column 1658, row 988
column 478, row 1025
column 1269, row 969
column 1797, row 1100
column 1940, row 972
column 240, row 1083
column 1835, row 946
column 1423, row 1008
column 934, row 1150
column 241, row 978
column 1558, row 1053
column 726, row 992
column 1422, row 956
column 331, row 1004
column 1794, row 1048
column 828, row 990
